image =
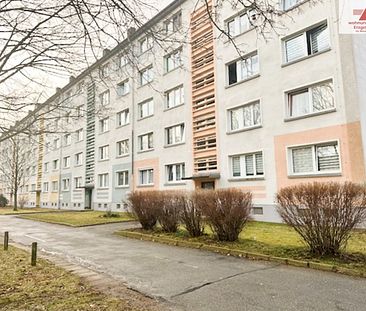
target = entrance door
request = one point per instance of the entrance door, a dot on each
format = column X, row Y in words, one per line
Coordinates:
column 88, row 198
column 209, row 185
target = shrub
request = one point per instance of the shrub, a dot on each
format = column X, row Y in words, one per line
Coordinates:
column 323, row 214
column 3, row 201
column 110, row 214
column 226, row 210
column 170, row 210
column 191, row 215
column 145, row 205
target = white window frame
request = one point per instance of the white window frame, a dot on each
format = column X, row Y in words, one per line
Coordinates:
column 46, row 167
column 65, row 182
column 57, row 164
column 313, row 146
column 173, row 60
column 309, row 88
column 239, row 63
column 124, row 116
column 124, row 185
column 79, row 135
column 144, row 80
column 104, row 125
column 78, row 182
column 174, row 171
column 244, row 128
column 53, row 184
column 103, row 181
column 286, row 8
column 66, row 161
column 125, row 86
column 67, row 139
column 78, row 159
column 149, row 171
column 178, row 99
column 238, row 26
column 145, row 44
column 150, row 108
column 182, row 129
column 45, row 187
column 104, row 98
column 243, row 172
column 140, row 141
column 118, row 149
column 103, row 153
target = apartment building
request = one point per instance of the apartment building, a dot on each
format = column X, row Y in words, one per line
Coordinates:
column 251, row 113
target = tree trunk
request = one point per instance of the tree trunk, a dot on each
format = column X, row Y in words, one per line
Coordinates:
column 15, row 201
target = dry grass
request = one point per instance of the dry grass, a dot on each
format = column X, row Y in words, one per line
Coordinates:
column 47, row 287
column 77, row 219
column 20, row 211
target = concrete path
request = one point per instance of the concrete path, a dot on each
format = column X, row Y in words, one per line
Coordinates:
column 192, row 279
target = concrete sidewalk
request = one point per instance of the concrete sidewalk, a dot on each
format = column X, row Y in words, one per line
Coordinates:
column 191, row 279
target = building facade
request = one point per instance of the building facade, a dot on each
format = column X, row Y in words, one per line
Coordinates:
column 201, row 110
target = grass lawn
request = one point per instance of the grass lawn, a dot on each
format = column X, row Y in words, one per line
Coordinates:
column 281, row 241
column 77, row 219
column 10, row 211
column 47, row 287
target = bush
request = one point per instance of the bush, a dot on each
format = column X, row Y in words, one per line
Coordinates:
column 110, row 214
column 170, row 210
column 3, row 201
column 226, row 210
column 191, row 215
column 323, row 214
column 146, row 205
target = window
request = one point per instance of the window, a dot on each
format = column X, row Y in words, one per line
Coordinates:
column 257, row 210
column 45, row 187
column 56, row 143
column 312, row 99
column 145, row 44
column 175, row 172
column 145, row 142
column 174, row 134
column 307, row 43
column 287, row 4
column 320, row 158
column 122, row 178
column 77, row 182
column 174, row 97
column 146, row 75
column 103, row 180
column 146, row 177
column 104, row 70
column 65, row 184
column 67, row 139
column 104, row 125
column 174, row 23
column 104, row 152
column 123, row 88
column 243, row 69
column 46, row 165
column 66, row 162
column 123, row 61
column 173, row 60
column 33, row 170
column 78, row 159
column 47, row 147
column 245, row 116
column 239, row 24
column 80, row 111
column 122, row 148
column 55, row 164
column 247, row 165
column 104, row 98
column 146, row 108
column 79, row 135
column 123, row 117
column 33, row 187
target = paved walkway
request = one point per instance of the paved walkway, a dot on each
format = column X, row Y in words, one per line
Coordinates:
column 192, row 279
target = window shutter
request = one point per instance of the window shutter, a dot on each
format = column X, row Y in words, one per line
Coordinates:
column 318, row 39
column 295, row 48
column 249, row 165
column 323, row 96
column 302, row 159
column 236, row 166
column 328, row 158
column 259, row 163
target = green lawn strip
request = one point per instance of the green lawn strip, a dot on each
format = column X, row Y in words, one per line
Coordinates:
column 21, row 211
column 267, row 241
column 79, row 219
column 47, row 287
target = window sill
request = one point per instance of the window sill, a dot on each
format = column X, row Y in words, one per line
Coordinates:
column 314, row 175
column 172, row 70
column 304, row 58
column 145, row 186
column 244, row 129
column 122, row 156
column 103, row 160
column 170, row 108
column 243, row 81
column 78, row 165
column 102, row 188
column 145, row 84
column 101, row 133
column 122, row 187
column 174, row 145
column 247, row 178
column 123, row 125
column 228, row 41
column 143, row 151
column 309, row 115
column 123, row 95
column 176, row 183
column 293, row 7
column 147, row 117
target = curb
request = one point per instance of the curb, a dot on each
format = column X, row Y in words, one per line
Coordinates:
column 241, row 253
